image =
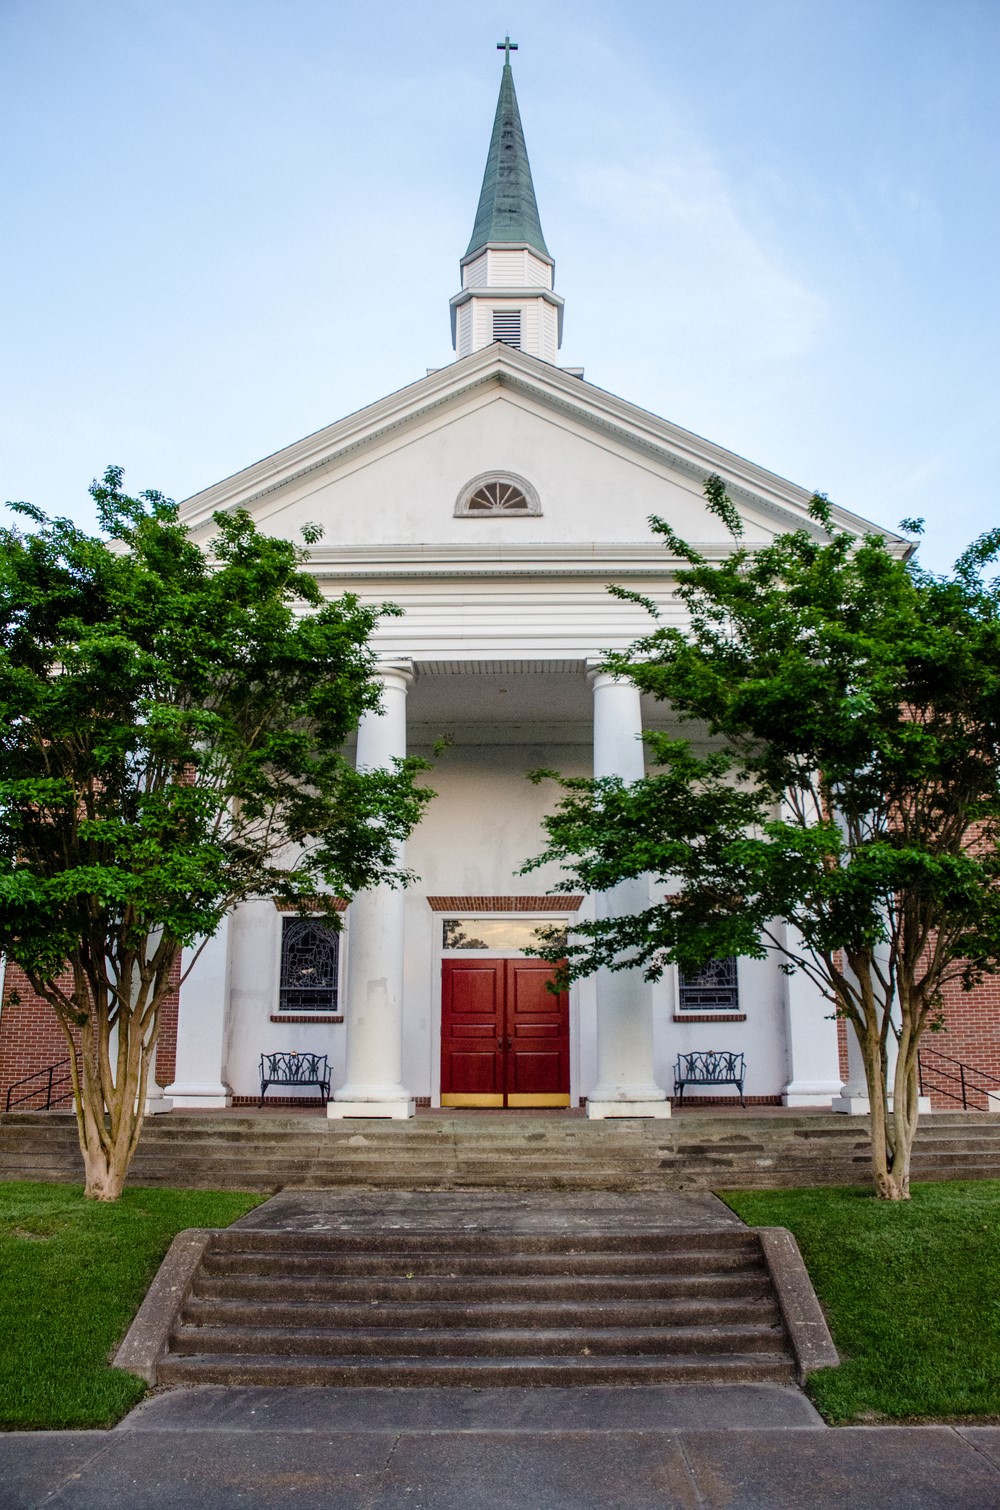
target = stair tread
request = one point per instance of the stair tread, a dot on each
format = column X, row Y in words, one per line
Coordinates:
column 484, row 1288
column 402, row 1335
column 512, row 1369
column 377, row 1313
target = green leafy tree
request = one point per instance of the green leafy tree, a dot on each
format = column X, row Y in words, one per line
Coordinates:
column 840, row 806
column 171, row 726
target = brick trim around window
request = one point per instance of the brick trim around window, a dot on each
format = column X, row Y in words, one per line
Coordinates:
column 505, row 904
column 339, row 904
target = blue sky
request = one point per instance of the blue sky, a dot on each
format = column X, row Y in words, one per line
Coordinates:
column 230, row 222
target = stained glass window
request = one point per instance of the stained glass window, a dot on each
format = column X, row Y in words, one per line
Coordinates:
column 710, row 989
column 310, row 959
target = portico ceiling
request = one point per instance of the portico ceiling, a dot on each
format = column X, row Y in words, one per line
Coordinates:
column 506, row 702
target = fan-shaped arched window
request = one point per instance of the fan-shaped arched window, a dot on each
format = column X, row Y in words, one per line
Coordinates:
column 497, row 493
column 310, row 958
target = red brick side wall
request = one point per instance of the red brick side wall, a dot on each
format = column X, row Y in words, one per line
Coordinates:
column 166, row 1044
column 971, row 1034
column 972, row 1023
column 31, row 1038
column 843, row 1029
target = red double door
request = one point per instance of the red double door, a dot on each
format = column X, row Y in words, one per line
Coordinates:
column 504, row 1034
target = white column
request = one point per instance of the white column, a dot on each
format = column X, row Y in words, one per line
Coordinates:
column 373, row 1007
column 201, row 1027
column 810, row 1039
column 626, row 1081
column 853, row 1098
column 157, row 1100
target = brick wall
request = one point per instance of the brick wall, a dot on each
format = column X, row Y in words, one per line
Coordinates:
column 843, row 1028
column 166, row 1046
column 971, row 1034
column 31, row 1038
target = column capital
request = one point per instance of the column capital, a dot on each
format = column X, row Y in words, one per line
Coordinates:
column 396, row 672
column 598, row 677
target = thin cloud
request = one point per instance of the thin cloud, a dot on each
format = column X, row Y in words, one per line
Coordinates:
column 708, row 276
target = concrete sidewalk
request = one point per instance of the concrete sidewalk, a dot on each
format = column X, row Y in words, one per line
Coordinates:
column 737, row 1447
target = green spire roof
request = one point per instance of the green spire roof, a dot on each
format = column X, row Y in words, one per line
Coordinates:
column 507, row 209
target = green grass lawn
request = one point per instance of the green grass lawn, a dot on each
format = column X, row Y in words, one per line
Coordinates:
column 72, row 1275
column 911, row 1292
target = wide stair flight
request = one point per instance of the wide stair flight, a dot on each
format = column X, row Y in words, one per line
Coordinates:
column 481, row 1309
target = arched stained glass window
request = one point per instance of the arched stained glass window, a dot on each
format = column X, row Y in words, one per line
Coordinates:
column 497, row 493
column 310, row 961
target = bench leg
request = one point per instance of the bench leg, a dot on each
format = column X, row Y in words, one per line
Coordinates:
column 263, row 1091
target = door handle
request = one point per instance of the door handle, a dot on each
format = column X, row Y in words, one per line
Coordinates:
column 510, row 1044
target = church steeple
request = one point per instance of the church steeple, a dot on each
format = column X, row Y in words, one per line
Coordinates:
column 507, row 207
column 507, row 271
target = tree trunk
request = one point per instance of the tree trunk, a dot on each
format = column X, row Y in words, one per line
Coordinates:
column 104, row 1170
column 892, row 1132
column 110, row 1109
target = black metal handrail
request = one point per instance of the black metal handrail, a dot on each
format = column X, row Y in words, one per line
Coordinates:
column 965, row 1076
column 50, row 1088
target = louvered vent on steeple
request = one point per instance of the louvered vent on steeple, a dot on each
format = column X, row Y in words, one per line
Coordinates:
column 507, row 327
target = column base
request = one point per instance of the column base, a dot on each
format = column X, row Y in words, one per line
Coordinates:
column 860, row 1106
column 215, row 1097
column 158, row 1103
column 399, row 1111
column 599, row 1110
column 810, row 1093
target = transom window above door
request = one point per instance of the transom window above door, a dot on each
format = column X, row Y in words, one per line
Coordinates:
column 468, row 934
column 494, row 493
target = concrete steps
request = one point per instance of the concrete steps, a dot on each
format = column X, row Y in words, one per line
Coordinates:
column 484, row 1309
column 503, row 1151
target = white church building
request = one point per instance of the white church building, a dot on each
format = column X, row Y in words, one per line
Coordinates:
column 494, row 501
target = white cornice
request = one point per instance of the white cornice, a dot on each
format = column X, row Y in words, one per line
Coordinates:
column 530, row 559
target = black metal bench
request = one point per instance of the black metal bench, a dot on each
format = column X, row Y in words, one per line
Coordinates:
column 294, row 1069
column 711, row 1067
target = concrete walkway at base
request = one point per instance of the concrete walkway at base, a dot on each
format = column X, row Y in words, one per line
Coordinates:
column 490, row 1211
column 727, row 1447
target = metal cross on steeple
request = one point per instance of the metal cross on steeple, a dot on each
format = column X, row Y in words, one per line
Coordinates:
column 506, row 47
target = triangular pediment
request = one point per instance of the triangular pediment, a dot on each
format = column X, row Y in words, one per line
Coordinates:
column 390, row 474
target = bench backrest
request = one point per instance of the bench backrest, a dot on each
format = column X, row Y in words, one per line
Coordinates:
column 709, row 1066
column 294, row 1069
